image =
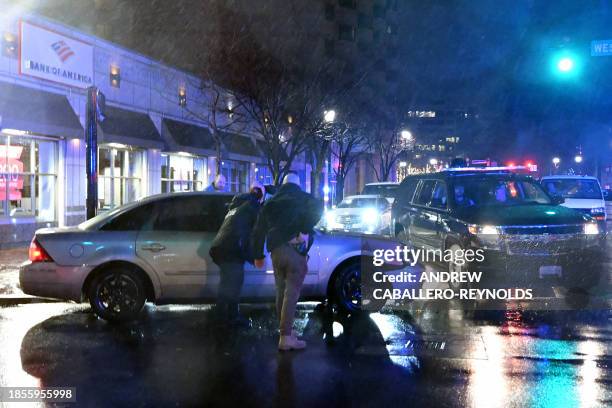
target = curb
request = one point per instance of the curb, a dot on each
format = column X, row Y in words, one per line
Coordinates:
column 14, row 300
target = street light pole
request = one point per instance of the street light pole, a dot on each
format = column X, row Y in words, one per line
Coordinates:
column 95, row 108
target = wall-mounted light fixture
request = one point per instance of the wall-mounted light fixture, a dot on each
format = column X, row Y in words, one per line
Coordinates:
column 290, row 119
column 115, row 76
column 9, row 45
column 182, row 96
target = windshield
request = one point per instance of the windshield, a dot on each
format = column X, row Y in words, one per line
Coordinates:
column 363, row 203
column 573, row 188
column 385, row 190
column 504, row 191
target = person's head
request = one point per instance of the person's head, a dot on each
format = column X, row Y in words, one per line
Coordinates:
column 292, row 178
column 219, row 182
column 259, row 191
column 459, row 193
column 500, row 193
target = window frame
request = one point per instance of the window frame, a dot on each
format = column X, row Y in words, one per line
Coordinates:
column 123, row 180
column 33, row 176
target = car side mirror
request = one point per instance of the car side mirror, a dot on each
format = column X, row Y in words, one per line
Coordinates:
column 558, row 200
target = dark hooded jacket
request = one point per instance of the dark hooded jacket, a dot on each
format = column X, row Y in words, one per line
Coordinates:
column 283, row 217
column 232, row 242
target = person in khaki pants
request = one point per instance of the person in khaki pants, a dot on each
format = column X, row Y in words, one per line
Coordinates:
column 286, row 223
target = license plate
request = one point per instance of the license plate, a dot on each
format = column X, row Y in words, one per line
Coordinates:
column 550, row 270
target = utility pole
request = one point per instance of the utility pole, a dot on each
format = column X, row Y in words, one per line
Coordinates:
column 95, row 112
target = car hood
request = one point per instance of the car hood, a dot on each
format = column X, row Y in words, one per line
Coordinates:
column 585, row 203
column 347, row 211
column 520, row 215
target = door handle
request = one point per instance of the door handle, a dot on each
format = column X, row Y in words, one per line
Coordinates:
column 155, row 247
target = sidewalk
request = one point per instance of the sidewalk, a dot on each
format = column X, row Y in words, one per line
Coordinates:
column 10, row 259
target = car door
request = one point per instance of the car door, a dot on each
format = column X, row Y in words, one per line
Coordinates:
column 423, row 218
column 176, row 243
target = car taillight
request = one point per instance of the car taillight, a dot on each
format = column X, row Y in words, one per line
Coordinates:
column 37, row 253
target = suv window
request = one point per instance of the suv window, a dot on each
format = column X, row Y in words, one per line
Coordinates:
column 195, row 213
column 406, row 190
column 425, row 191
column 439, row 197
column 132, row 220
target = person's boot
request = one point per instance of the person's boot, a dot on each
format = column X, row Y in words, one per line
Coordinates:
column 290, row 343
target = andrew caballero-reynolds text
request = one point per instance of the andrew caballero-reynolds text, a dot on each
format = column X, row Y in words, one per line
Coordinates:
column 406, row 285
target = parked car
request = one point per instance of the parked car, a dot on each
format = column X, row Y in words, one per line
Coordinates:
column 384, row 188
column 156, row 249
column 582, row 193
column 367, row 214
column 522, row 231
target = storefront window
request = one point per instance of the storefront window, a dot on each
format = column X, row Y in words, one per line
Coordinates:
column 27, row 177
column 119, row 176
column 235, row 173
column 182, row 173
column 263, row 174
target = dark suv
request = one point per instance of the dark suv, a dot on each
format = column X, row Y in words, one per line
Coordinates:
column 523, row 232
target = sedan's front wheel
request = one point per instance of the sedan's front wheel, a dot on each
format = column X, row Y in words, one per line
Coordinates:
column 117, row 294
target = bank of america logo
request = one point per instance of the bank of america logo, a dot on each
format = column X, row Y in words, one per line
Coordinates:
column 62, row 50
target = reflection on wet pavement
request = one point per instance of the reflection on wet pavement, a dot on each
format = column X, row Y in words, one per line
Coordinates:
column 427, row 358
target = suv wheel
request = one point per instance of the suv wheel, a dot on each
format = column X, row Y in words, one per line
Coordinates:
column 117, row 294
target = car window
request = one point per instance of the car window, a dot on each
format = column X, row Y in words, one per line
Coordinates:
column 439, row 196
column 573, row 188
column 503, row 191
column 405, row 192
column 424, row 193
column 194, row 213
column 132, row 220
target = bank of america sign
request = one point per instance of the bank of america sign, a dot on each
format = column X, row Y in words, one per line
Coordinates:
column 51, row 56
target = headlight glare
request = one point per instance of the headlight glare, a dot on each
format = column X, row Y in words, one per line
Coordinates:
column 591, row 228
column 370, row 216
column 483, row 229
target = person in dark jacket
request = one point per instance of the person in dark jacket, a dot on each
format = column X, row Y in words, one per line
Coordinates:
column 231, row 249
column 286, row 223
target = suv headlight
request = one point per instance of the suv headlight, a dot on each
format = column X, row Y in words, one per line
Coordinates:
column 591, row 228
column 370, row 216
column 483, row 229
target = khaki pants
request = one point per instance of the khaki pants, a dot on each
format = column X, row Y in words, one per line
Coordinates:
column 289, row 272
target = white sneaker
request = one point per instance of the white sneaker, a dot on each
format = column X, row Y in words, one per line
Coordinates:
column 290, row 343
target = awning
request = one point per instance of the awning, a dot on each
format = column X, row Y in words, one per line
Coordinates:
column 38, row 111
column 129, row 127
column 240, row 145
column 185, row 135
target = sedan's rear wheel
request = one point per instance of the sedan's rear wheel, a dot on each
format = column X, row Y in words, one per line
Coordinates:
column 346, row 288
column 117, row 294
column 349, row 285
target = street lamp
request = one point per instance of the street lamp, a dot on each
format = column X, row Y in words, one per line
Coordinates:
column 556, row 161
column 329, row 116
column 578, row 159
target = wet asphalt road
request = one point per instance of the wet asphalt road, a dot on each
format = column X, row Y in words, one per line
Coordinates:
column 178, row 356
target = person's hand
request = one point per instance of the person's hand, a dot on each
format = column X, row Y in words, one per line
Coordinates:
column 260, row 263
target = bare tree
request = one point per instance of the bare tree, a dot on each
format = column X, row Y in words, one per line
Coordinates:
column 349, row 143
column 387, row 142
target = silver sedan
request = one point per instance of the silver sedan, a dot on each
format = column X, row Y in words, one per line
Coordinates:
column 156, row 249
